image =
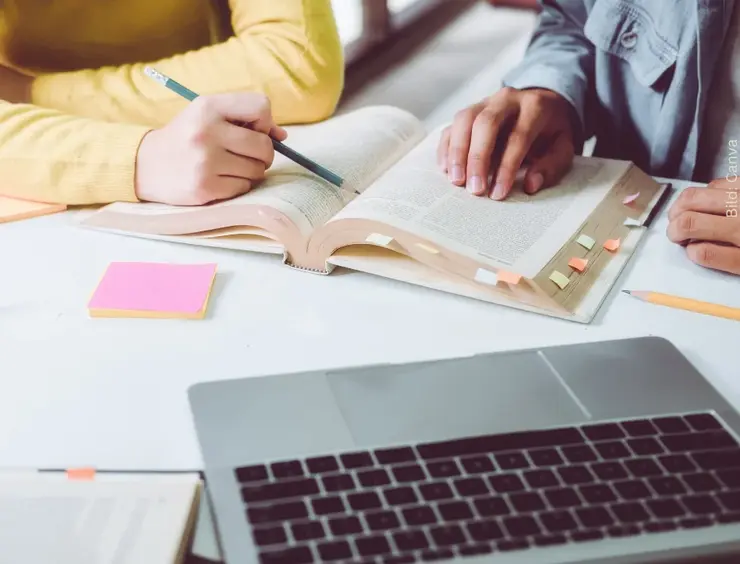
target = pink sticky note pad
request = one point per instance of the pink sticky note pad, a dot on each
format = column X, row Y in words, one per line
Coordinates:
column 631, row 198
column 147, row 289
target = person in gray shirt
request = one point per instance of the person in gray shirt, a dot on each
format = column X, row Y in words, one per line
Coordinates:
column 656, row 82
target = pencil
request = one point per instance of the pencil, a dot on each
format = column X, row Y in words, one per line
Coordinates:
column 687, row 304
column 294, row 156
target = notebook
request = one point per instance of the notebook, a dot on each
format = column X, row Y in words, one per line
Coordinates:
column 12, row 209
column 79, row 517
column 410, row 223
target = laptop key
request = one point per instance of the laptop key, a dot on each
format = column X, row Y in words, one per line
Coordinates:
column 562, row 497
column 632, row 489
column 399, row 560
column 328, row 505
column 666, row 508
column 671, row 425
column 549, row 540
column 404, row 495
column 364, row 500
column 541, row 478
column 395, row 455
column 730, row 478
column 643, row 467
column 482, row 531
column 477, row 465
column 248, row 474
column 511, row 460
column 610, row 471
column 623, row 531
column 419, row 515
column 372, row 546
column 382, row 521
column 322, row 464
column 511, row 545
column 710, row 440
column 297, row 555
column 558, row 521
column 521, row 526
column 504, row 483
column 354, row 460
column 579, row 453
column 660, row 526
column 603, row 431
column 374, row 478
column 701, row 482
column 447, row 535
column 436, row 555
column 344, row 526
column 703, row 422
column 694, row 522
column 277, row 512
column 677, row 463
column 645, row 446
column 491, row 506
column 632, row 512
column 287, row 469
column 730, row 500
column 718, row 459
column 598, row 493
column 281, row 490
column 444, row 469
column 546, row 457
column 729, row 518
column 700, row 504
column 613, row 450
column 266, row 536
column 333, row 551
column 586, row 536
column 406, row 541
column 310, row 530
column 527, row 502
column 409, row 473
column 475, row 550
column 436, row 491
column 455, row 511
column 594, row 517
column 469, row 487
column 338, row 482
column 572, row 475
column 667, row 485
column 639, row 428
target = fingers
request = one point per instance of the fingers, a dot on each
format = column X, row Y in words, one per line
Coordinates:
column 548, row 169
column 227, row 187
column 699, row 200
column 528, row 126
column 245, row 142
column 717, row 257
column 250, row 108
column 278, row 133
column 459, row 145
column 691, row 225
column 443, row 149
column 229, row 164
column 486, row 133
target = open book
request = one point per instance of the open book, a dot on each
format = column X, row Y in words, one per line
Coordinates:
column 106, row 519
column 410, row 223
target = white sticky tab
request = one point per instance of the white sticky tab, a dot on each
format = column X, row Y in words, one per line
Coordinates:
column 378, row 239
column 630, row 222
column 427, row 248
column 486, row 277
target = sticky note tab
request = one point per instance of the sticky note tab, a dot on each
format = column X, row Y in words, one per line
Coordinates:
column 612, row 245
column 15, row 210
column 630, row 222
column 85, row 474
column 486, row 277
column 586, row 241
column 578, row 264
column 508, row 277
column 427, row 248
column 631, row 198
column 378, row 239
column 153, row 290
column 560, row 279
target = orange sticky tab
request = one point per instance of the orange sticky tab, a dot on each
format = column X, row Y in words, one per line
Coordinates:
column 508, row 277
column 578, row 264
column 612, row 245
column 81, row 474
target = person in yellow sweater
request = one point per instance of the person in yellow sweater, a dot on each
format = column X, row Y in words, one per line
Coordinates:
column 80, row 123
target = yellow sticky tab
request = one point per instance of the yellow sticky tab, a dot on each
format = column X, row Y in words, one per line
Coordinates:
column 612, row 245
column 427, row 248
column 578, row 264
column 560, row 279
column 486, row 277
column 378, row 239
column 85, row 474
column 586, row 241
column 509, row 277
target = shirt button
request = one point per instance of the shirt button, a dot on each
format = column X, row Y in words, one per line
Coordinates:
column 629, row 40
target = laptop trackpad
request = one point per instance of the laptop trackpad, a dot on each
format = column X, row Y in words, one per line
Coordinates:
column 452, row 398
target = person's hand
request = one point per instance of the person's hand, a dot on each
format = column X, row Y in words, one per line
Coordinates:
column 15, row 86
column 706, row 222
column 201, row 156
column 497, row 136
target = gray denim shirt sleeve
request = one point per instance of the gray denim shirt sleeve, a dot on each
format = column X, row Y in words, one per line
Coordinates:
column 559, row 58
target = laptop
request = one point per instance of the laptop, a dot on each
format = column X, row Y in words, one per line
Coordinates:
column 613, row 452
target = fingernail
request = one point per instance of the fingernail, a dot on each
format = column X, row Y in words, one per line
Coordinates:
column 498, row 192
column 456, row 174
column 535, row 182
column 475, row 185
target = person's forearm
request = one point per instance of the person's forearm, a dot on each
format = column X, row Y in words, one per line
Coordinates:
column 560, row 58
column 288, row 50
column 51, row 157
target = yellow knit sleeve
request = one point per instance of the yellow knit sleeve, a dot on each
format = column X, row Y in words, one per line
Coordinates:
column 287, row 49
column 48, row 156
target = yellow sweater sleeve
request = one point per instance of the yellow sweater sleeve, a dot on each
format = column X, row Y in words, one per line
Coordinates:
column 77, row 143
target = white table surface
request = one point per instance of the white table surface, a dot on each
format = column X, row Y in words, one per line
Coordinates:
column 112, row 392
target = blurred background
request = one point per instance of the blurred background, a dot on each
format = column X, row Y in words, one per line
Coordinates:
column 430, row 57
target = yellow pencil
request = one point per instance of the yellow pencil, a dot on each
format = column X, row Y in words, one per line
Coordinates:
column 685, row 303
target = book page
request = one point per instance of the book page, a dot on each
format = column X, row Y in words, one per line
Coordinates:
column 520, row 234
column 359, row 146
column 47, row 518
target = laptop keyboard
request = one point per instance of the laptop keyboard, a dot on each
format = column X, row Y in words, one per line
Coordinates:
column 496, row 493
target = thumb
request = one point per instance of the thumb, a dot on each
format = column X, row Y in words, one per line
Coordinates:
column 250, row 109
column 547, row 170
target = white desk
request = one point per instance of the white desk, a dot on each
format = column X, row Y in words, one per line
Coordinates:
column 112, row 393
